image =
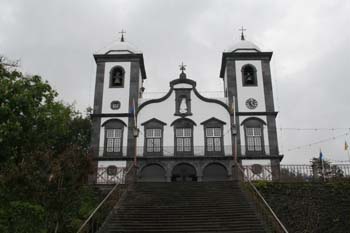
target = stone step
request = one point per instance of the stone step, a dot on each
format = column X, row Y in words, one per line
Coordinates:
column 185, row 207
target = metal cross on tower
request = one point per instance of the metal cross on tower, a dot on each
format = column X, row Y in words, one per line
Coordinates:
column 182, row 67
column 242, row 32
column 122, row 38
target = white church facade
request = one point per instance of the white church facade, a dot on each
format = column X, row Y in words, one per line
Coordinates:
column 184, row 135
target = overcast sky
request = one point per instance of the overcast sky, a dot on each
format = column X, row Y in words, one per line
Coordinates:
column 310, row 41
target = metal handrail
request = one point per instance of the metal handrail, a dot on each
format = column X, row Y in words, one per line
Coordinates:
column 264, row 201
column 102, row 202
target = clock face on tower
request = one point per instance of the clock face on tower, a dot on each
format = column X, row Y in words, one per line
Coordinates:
column 251, row 103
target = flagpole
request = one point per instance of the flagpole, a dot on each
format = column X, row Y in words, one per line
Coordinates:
column 135, row 132
column 322, row 165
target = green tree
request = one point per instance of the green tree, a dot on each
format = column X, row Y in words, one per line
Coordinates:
column 325, row 169
column 44, row 158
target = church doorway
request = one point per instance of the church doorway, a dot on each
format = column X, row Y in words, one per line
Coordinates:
column 183, row 172
column 215, row 172
column 152, row 173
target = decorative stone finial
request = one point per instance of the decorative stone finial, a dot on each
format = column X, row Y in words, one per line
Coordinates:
column 242, row 32
column 182, row 68
column 122, row 38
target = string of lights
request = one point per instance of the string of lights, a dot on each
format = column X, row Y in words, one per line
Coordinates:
column 319, row 142
column 314, row 129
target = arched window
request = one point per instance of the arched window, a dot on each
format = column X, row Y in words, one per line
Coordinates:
column 183, row 131
column 213, row 134
column 254, row 135
column 113, row 144
column 153, row 137
column 116, row 77
column 249, row 75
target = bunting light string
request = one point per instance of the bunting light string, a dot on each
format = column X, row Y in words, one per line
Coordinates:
column 319, row 142
column 338, row 161
column 314, row 129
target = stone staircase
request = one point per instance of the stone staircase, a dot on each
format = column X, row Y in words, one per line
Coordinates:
column 184, row 207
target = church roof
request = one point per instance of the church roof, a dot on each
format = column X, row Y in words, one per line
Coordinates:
column 244, row 46
column 119, row 47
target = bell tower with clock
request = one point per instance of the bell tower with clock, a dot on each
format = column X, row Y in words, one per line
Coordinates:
column 245, row 70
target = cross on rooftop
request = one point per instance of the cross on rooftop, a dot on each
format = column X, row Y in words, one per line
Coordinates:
column 122, row 32
column 182, row 67
column 242, row 32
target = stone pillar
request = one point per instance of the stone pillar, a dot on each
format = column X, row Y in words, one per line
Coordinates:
column 275, row 169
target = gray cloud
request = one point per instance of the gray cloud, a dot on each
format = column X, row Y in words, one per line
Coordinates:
column 310, row 40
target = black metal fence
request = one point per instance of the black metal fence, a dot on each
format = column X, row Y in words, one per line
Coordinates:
column 297, row 172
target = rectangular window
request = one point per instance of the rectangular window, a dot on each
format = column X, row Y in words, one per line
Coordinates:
column 254, row 139
column 183, row 139
column 213, row 139
column 113, row 140
column 153, row 140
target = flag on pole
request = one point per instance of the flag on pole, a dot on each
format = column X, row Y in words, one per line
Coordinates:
column 133, row 111
column 346, row 146
column 321, row 156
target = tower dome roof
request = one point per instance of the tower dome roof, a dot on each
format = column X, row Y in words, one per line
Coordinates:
column 119, row 47
column 244, row 46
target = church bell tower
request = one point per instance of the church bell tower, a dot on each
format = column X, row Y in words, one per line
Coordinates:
column 245, row 70
column 119, row 78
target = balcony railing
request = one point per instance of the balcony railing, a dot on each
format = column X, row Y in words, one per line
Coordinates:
column 244, row 151
column 110, row 175
column 299, row 172
column 164, row 151
column 247, row 150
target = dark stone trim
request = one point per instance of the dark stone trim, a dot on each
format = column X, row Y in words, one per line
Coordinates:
column 213, row 119
column 110, row 115
column 113, row 120
column 232, row 93
column 268, row 92
column 205, row 99
column 187, row 81
column 253, row 118
column 242, row 56
column 256, row 113
column 249, row 49
column 153, row 120
column 189, row 158
column 95, row 133
column 120, row 50
column 272, row 134
column 123, row 57
column 270, row 157
column 133, row 96
column 100, row 72
column 152, row 101
column 183, row 119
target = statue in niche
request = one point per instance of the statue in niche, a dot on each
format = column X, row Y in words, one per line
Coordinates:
column 183, row 105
